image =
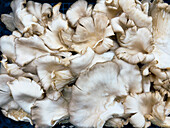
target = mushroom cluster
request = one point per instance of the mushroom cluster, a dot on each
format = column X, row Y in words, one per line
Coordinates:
column 95, row 66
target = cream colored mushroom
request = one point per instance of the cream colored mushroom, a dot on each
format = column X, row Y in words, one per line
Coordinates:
column 160, row 115
column 78, row 10
column 33, row 46
column 47, row 113
column 110, row 7
column 89, row 59
column 109, row 84
column 21, row 19
column 25, row 92
column 140, row 106
column 41, row 11
column 13, row 110
column 52, row 35
column 136, row 46
column 140, row 18
column 54, row 74
column 93, row 32
column 15, row 71
column 161, row 21
column 4, row 89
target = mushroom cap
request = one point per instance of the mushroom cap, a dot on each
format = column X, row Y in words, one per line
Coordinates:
column 78, row 10
column 46, row 112
column 93, row 32
column 7, row 44
column 109, row 7
column 25, row 92
column 15, row 71
column 28, row 49
column 89, row 59
column 53, row 71
column 159, row 115
column 4, row 89
column 161, row 24
column 17, row 115
column 41, row 11
column 83, row 111
column 134, row 48
column 141, row 105
column 140, row 18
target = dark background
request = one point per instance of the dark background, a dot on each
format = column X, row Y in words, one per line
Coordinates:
column 4, row 9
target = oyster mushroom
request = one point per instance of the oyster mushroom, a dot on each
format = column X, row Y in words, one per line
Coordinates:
column 15, row 71
column 25, row 92
column 47, row 113
column 21, row 19
column 83, row 111
column 8, row 45
column 4, row 89
column 160, row 115
column 110, row 7
column 134, row 49
column 54, row 74
column 14, row 111
column 140, row 18
column 41, row 11
column 160, row 13
column 89, row 59
column 8, row 106
column 52, row 35
column 78, row 10
column 93, row 67
column 140, row 106
column 93, row 32
column 33, row 46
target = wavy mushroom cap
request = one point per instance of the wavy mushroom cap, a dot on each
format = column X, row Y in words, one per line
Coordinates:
column 140, row 106
column 54, row 74
column 25, row 92
column 136, row 46
column 46, row 112
column 89, row 59
column 78, row 10
column 93, row 32
column 161, row 34
column 110, row 7
column 109, row 84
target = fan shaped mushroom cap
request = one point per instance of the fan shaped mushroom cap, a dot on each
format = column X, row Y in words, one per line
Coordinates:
column 159, row 115
column 89, row 59
column 132, row 85
column 78, row 10
column 163, row 88
column 4, row 89
column 41, row 11
column 141, row 105
column 7, row 44
column 136, row 46
column 109, row 7
column 52, row 35
column 93, row 32
column 161, row 26
column 52, row 69
column 17, row 114
column 109, row 85
column 33, row 46
column 21, row 19
column 46, row 113
column 140, row 18
column 25, row 92
column 15, row 71
column 116, row 122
